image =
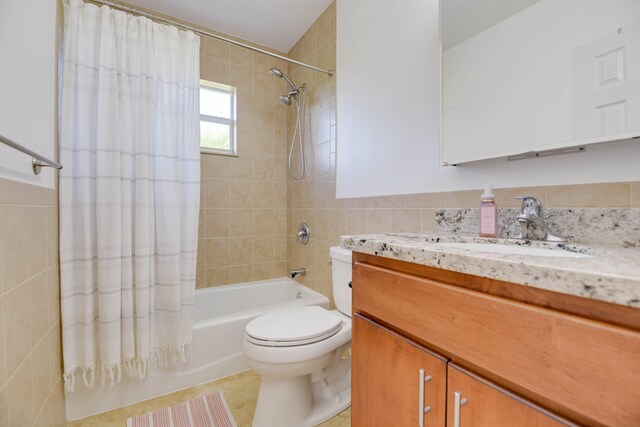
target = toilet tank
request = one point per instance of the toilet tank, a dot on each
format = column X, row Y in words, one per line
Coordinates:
column 341, row 278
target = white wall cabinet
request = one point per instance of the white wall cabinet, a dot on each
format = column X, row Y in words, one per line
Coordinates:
column 560, row 73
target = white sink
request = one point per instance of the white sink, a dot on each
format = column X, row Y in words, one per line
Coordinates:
column 514, row 250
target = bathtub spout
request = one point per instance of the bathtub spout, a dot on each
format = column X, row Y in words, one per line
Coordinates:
column 298, row 272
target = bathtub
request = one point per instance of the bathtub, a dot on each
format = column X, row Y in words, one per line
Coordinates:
column 220, row 317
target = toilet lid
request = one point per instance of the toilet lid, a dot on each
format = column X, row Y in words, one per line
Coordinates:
column 294, row 326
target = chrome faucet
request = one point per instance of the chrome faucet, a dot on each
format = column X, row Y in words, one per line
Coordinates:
column 298, row 272
column 531, row 214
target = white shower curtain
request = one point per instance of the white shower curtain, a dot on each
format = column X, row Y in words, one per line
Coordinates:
column 129, row 192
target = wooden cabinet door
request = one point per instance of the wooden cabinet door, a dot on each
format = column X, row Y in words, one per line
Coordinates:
column 584, row 369
column 475, row 402
column 387, row 385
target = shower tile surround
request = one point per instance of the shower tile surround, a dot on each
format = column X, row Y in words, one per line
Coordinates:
column 242, row 232
column 31, row 391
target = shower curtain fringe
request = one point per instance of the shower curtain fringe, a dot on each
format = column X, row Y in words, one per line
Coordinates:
column 132, row 368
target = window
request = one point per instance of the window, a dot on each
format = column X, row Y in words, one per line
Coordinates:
column 217, row 118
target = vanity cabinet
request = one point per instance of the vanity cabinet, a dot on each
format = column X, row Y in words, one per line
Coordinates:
column 510, row 351
column 396, row 382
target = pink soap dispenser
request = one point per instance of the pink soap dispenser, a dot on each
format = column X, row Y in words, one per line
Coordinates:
column 488, row 213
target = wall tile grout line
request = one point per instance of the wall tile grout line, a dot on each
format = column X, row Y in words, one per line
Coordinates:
column 26, row 358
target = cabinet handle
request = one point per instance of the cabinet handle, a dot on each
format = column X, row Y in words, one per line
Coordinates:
column 421, row 408
column 458, row 402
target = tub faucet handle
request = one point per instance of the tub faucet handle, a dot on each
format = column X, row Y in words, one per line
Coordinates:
column 304, row 233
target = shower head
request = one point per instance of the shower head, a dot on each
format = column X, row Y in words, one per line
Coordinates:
column 278, row 73
column 295, row 90
column 286, row 99
column 293, row 93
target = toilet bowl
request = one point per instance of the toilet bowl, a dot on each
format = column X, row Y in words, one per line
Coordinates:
column 303, row 356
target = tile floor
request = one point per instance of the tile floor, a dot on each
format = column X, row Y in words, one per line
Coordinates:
column 240, row 391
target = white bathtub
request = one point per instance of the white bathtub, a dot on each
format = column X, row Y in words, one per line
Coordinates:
column 220, row 317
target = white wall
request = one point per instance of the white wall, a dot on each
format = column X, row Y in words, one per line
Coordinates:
column 387, row 94
column 386, row 109
column 27, row 86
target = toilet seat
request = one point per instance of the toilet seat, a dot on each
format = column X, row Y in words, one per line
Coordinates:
column 294, row 326
column 302, row 353
column 290, row 343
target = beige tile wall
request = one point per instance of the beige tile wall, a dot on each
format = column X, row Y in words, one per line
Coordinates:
column 313, row 200
column 30, row 344
column 242, row 233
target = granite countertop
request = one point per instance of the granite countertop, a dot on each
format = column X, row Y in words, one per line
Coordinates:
column 610, row 273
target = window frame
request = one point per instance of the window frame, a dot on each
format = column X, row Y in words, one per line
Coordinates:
column 231, row 122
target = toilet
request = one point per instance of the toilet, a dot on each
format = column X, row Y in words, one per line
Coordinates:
column 303, row 356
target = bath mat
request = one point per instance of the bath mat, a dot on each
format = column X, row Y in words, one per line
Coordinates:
column 204, row 411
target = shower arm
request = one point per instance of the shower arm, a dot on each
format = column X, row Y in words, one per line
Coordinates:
column 284, row 76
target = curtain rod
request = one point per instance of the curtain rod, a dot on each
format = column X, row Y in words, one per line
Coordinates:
column 208, row 34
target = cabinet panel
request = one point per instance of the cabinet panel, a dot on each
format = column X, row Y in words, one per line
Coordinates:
column 482, row 404
column 583, row 369
column 386, row 379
